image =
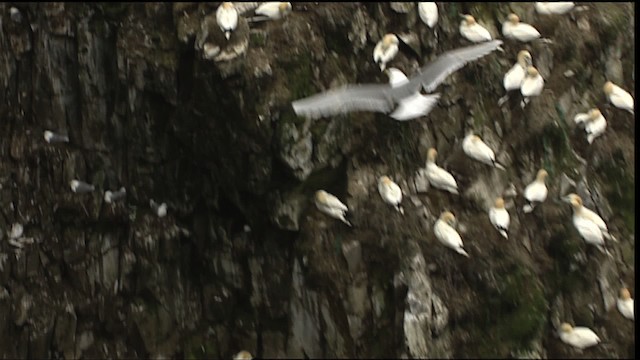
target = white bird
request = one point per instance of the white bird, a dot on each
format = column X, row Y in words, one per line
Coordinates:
column 514, row 29
column 475, row 148
column 81, row 187
column 499, row 217
column 390, row 192
column 473, row 31
column 579, row 337
column 413, row 106
column 386, row 49
column 51, row 137
column 159, row 209
column 438, row 177
column 595, row 123
column 447, row 235
column 272, row 10
column 227, row 18
column 625, row 304
column 532, row 85
column 331, row 206
column 383, row 97
column 514, row 78
column 243, row 355
column 618, row 96
column 591, row 215
column 428, row 12
column 587, row 229
column 560, row 7
column 16, row 231
column 112, row 196
column 536, row 192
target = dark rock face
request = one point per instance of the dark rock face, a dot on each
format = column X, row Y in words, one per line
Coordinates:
column 243, row 260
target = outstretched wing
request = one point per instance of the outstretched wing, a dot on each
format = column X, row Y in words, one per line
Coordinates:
column 369, row 97
column 434, row 73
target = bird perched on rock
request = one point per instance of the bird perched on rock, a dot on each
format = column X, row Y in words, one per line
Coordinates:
column 589, row 214
column 475, row 148
column 625, row 304
column 412, row 106
column 331, row 206
column 514, row 78
column 588, row 230
column 473, row 31
column 52, row 138
column 113, row 196
column 618, row 96
column 227, row 18
column 243, row 355
column 438, row 177
column 532, row 85
column 81, row 187
column 390, row 192
column 536, row 192
column 447, row 235
column 499, row 217
column 514, row 29
column 595, row 123
column 560, row 7
column 271, row 10
column 386, row 49
column 579, row 337
column 382, row 97
column 428, row 12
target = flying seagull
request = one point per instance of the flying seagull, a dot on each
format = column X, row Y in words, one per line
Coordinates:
column 383, row 97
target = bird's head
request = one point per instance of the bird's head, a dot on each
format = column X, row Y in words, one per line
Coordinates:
column 513, row 18
column 432, row 153
column 542, row 174
column 566, row 328
column 321, row 196
column 385, row 180
column 388, row 40
column 532, row 71
column 594, row 114
column 468, row 19
column 625, row 294
column 608, row 87
column 227, row 5
column 499, row 203
column 448, row 217
column 284, row 7
column 524, row 58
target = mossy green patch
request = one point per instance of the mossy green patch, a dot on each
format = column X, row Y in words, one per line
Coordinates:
column 558, row 156
column 300, row 76
column 619, row 188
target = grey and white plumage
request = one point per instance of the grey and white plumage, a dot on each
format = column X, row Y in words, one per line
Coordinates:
column 390, row 192
column 81, row 187
column 386, row 49
column 589, row 214
column 559, row 7
column 536, row 192
column 499, row 217
column 447, row 235
column 159, row 209
column 227, row 18
column 619, row 97
column 514, row 29
column 113, row 196
column 51, row 137
column 472, row 31
column 383, row 97
column 625, row 304
column 331, row 206
column 428, row 12
column 475, row 148
column 412, row 106
column 579, row 337
column 595, row 123
column 438, row 177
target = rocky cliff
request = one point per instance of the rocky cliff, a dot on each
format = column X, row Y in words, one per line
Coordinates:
column 243, row 260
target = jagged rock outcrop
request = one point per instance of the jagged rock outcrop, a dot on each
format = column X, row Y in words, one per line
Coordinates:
column 243, row 260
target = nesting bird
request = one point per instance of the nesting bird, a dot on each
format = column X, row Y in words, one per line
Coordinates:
column 588, row 230
column 113, row 196
column 331, row 206
column 473, row 31
column 625, row 304
column 390, row 192
column 272, row 10
column 412, row 106
column 560, row 7
column 590, row 214
column 514, row 78
column 499, row 217
column 383, row 97
column 438, row 177
column 243, row 355
column 52, row 138
column 428, row 12
column 618, row 96
column 514, row 29
column 81, row 187
column 532, row 85
column 386, row 49
column 595, row 123
column 536, row 192
column 227, row 18
column 447, row 235
column 579, row 337
column 475, row 148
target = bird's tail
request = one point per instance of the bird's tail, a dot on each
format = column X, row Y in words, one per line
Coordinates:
column 462, row 252
column 227, row 34
column 345, row 220
column 400, row 209
column 504, row 233
column 528, row 208
column 497, row 165
column 453, row 191
column 503, row 99
column 609, row 237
